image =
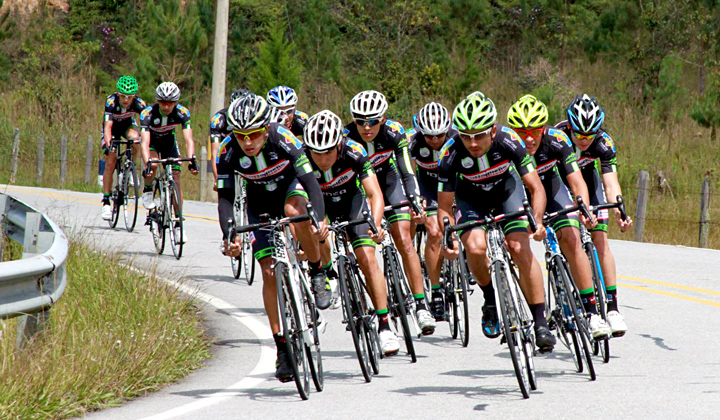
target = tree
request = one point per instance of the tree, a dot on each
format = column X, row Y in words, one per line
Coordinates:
column 706, row 110
column 275, row 63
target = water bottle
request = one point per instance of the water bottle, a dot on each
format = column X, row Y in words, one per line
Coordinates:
column 101, row 171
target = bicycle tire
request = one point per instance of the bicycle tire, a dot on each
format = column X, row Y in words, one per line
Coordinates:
column 601, row 300
column 566, row 328
column 578, row 317
column 294, row 341
column 451, row 304
column 463, row 311
column 314, row 354
column 354, row 322
column 131, row 195
column 157, row 222
column 397, row 302
column 511, row 326
column 247, row 252
column 174, row 215
column 115, row 199
column 373, row 338
column 527, row 333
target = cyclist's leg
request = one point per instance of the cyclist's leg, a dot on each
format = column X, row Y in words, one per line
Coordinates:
column 174, row 152
column 433, row 260
column 133, row 133
column 110, row 162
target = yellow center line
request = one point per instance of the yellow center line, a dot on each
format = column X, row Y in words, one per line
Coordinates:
column 673, row 285
column 674, row 295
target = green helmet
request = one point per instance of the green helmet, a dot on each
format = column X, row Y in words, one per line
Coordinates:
column 527, row 112
column 127, row 85
column 476, row 112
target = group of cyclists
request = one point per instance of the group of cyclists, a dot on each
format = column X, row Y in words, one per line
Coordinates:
column 462, row 165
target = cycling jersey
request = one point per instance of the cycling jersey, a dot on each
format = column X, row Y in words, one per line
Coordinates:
column 162, row 129
column 220, row 127
column 299, row 121
column 271, row 178
column 427, row 160
column 461, row 173
column 122, row 118
column 341, row 188
column 390, row 158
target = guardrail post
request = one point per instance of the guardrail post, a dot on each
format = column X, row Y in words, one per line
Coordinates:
column 89, row 159
column 15, row 151
column 643, row 187
column 40, row 158
column 29, row 325
column 63, row 159
column 203, row 173
column 704, row 213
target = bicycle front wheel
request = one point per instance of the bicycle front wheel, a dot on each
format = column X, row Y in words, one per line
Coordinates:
column 157, row 220
column 174, row 215
column 461, row 297
column 354, row 319
column 115, row 201
column 290, row 318
column 511, row 326
column 131, row 195
column 577, row 317
column 397, row 302
column 312, row 348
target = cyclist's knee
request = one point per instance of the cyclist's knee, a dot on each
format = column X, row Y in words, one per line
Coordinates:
column 295, row 206
column 569, row 238
column 475, row 248
column 518, row 245
column 268, row 273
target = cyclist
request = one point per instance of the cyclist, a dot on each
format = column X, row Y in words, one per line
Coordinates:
column 592, row 143
column 119, row 121
column 279, row 179
column 220, row 128
column 484, row 172
column 344, row 171
column 285, row 99
column 158, row 122
column 386, row 144
column 434, row 129
column 552, row 154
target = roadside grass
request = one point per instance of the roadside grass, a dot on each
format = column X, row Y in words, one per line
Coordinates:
column 115, row 334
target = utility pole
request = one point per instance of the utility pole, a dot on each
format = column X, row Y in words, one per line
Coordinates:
column 217, row 99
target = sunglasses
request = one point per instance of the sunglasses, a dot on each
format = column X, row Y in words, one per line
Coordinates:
column 370, row 122
column 467, row 136
column 249, row 135
column 529, row 132
column 588, row 137
column 125, row 97
column 288, row 111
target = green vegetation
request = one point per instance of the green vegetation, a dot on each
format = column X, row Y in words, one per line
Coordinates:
column 652, row 65
column 114, row 335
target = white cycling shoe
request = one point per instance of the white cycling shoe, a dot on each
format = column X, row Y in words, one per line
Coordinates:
column 426, row 321
column 598, row 327
column 617, row 323
column 147, row 200
column 389, row 343
column 106, row 212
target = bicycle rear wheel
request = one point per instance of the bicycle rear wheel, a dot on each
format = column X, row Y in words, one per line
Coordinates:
column 577, row 318
column 290, row 318
column 511, row 327
column 314, row 355
column 174, row 216
column 115, row 201
column 451, row 273
column 560, row 315
column 354, row 319
column 248, row 258
column 397, row 302
column 600, row 347
column 131, row 195
column 461, row 294
column 157, row 219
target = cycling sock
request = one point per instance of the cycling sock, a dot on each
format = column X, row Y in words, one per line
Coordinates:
column 435, row 287
column 279, row 341
column 314, row 267
column 327, row 266
column 488, row 294
column 106, row 198
column 587, row 297
column 420, row 302
column 331, row 273
column 538, row 313
column 383, row 319
column 147, row 188
column 612, row 298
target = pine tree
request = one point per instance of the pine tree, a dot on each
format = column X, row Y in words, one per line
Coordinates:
column 275, row 63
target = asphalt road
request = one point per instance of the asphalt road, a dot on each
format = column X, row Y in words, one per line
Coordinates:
column 667, row 365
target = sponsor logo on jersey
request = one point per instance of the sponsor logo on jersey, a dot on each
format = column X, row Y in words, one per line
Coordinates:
column 273, row 156
column 546, row 166
column 467, row 162
column 357, row 147
column 268, row 172
column 513, row 136
column 146, row 113
column 395, row 126
column 585, row 161
column 446, row 147
column 318, row 174
column 183, row 111
column 560, row 136
column 289, row 137
column 216, row 120
column 608, row 141
column 380, row 157
column 301, row 114
column 424, row 152
column 163, row 129
column 245, row 162
column 488, row 173
column 110, row 101
column 157, row 121
column 430, row 165
column 341, row 179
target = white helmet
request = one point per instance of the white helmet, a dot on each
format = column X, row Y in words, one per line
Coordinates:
column 167, row 91
column 323, row 131
column 282, row 96
column 368, row 104
column 277, row 116
column 249, row 112
column 434, row 119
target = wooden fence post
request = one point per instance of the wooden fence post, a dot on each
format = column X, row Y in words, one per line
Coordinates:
column 15, row 152
column 203, row 173
column 643, row 188
column 704, row 213
column 89, row 160
column 40, row 158
column 63, row 159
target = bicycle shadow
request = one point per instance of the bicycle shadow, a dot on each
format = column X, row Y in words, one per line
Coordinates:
column 288, row 393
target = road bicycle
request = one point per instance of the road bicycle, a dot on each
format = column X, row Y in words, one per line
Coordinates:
column 301, row 321
column 125, row 195
column 167, row 214
column 358, row 312
column 243, row 263
column 516, row 325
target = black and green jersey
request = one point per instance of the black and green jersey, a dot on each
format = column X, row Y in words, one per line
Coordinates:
column 602, row 149
column 341, row 182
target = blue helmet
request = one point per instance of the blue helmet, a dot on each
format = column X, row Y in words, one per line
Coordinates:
column 282, row 96
column 585, row 115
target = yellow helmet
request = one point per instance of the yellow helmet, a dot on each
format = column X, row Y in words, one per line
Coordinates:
column 527, row 112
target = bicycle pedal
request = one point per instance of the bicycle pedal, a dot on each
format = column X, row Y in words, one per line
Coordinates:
column 503, row 340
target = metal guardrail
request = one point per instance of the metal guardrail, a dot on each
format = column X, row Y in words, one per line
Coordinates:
column 34, row 283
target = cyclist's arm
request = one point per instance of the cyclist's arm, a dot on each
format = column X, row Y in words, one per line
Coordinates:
column 405, row 167
column 306, row 176
column 612, row 189
column 447, row 176
column 145, row 145
column 189, row 142
column 445, row 202
column 375, row 197
column 214, row 148
column 537, row 191
column 107, row 132
column 578, row 186
column 226, row 197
